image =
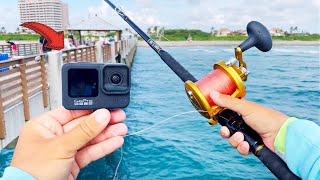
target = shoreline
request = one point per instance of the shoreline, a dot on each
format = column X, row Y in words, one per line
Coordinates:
column 225, row 43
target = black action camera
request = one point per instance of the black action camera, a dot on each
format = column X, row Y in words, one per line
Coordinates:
column 95, row 86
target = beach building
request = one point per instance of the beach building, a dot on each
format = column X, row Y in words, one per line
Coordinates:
column 53, row 13
column 223, row 32
column 241, row 32
column 276, row 32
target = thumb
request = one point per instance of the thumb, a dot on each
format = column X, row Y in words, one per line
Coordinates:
column 86, row 130
column 240, row 106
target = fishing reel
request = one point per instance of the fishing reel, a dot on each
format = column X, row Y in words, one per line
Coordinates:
column 227, row 78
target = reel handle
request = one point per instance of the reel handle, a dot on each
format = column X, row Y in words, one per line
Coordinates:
column 259, row 36
column 234, row 122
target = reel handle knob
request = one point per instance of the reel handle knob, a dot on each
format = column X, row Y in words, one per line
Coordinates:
column 259, row 36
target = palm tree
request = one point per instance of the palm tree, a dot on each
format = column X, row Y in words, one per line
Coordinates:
column 160, row 33
column 291, row 30
column 295, row 29
column 149, row 30
column 156, row 30
column 3, row 30
column 17, row 30
column 212, row 31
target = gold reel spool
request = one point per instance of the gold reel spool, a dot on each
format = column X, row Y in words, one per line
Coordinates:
column 237, row 74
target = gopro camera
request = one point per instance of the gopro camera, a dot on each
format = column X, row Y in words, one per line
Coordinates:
column 95, row 86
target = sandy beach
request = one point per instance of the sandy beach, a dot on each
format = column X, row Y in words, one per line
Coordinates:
column 225, row 43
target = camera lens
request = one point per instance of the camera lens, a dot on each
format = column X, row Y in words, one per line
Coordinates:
column 115, row 79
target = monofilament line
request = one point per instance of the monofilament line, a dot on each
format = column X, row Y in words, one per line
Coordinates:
column 144, row 130
column 121, row 156
column 163, row 121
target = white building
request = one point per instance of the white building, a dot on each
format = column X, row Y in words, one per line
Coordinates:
column 223, row 32
column 241, row 32
column 65, row 16
column 53, row 13
column 277, row 32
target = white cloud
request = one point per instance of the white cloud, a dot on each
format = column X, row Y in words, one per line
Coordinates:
column 9, row 16
column 146, row 16
column 236, row 14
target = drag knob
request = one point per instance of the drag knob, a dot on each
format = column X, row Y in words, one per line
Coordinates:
column 259, row 36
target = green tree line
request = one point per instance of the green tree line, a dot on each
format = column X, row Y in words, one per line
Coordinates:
column 198, row 35
column 19, row 37
column 178, row 35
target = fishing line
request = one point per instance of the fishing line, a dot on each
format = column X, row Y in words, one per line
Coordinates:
column 216, row 80
column 144, row 130
column 161, row 122
column 121, row 156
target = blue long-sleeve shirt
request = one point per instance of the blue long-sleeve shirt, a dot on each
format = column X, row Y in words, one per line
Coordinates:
column 12, row 173
column 297, row 142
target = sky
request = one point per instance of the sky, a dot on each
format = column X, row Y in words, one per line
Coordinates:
column 188, row 14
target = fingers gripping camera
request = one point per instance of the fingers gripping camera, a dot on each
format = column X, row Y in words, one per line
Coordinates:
column 95, row 86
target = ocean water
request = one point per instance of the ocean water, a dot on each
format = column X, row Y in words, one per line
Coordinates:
column 186, row 147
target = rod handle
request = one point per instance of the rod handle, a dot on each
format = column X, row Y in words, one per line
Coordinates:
column 259, row 36
column 234, row 122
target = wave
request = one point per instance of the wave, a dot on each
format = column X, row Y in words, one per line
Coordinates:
column 296, row 51
column 203, row 50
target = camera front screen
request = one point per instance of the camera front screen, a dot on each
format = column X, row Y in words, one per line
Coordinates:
column 83, row 83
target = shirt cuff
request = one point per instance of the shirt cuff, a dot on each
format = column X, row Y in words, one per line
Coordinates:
column 280, row 141
column 15, row 173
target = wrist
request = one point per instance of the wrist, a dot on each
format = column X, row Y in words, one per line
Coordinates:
column 280, row 140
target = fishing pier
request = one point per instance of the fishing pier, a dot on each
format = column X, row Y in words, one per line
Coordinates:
column 31, row 84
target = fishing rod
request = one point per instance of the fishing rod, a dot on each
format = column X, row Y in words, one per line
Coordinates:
column 228, row 75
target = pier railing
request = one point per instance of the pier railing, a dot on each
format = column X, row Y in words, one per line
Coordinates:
column 106, row 52
column 23, row 78
column 22, row 49
column 83, row 54
column 26, row 78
